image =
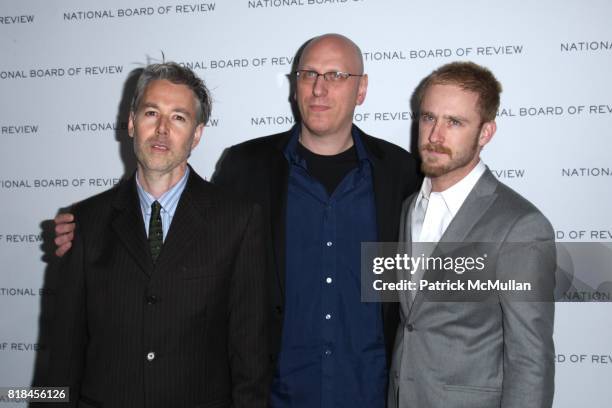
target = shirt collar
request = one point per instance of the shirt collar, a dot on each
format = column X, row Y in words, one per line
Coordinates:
column 292, row 155
column 455, row 195
column 168, row 201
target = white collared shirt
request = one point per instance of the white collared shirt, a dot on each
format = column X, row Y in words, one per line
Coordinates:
column 434, row 211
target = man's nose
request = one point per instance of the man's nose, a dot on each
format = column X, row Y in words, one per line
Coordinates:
column 319, row 88
column 162, row 125
column 436, row 135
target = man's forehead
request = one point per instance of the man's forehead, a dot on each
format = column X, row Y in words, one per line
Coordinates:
column 329, row 52
column 449, row 94
column 162, row 90
column 166, row 85
column 450, row 101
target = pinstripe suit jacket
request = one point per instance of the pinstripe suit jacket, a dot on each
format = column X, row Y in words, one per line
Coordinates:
column 189, row 331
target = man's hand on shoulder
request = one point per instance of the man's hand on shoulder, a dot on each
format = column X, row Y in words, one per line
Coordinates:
column 64, row 233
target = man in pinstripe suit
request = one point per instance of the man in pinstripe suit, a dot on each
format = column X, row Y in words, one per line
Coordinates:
column 161, row 300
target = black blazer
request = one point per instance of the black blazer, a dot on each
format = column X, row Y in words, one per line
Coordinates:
column 201, row 309
column 258, row 171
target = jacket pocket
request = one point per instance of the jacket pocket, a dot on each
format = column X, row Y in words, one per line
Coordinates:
column 469, row 396
column 471, row 388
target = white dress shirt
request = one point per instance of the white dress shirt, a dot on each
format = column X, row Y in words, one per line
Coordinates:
column 434, row 211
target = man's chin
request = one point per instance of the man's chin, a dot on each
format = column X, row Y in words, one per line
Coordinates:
column 431, row 170
column 157, row 167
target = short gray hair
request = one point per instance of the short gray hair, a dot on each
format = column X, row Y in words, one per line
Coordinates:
column 177, row 74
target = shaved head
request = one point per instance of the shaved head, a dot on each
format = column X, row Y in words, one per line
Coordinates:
column 351, row 52
column 327, row 107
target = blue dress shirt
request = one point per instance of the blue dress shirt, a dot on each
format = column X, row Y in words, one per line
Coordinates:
column 332, row 351
column 168, row 201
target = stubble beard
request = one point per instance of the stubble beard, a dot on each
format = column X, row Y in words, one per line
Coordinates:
column 432, row 168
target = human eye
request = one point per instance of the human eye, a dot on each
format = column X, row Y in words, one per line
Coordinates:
column 149, row 112
column 454, row 122
column 337, row 75
column 179, row 117
column 426, row 117
column 334, row 75
column 307, row 74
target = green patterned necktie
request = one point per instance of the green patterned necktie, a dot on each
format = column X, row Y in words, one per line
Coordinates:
column 156, row 234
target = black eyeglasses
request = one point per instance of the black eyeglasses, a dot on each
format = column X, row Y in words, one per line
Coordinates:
column 306, row 75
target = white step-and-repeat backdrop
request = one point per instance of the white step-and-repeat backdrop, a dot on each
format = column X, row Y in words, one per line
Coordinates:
column 65, row 67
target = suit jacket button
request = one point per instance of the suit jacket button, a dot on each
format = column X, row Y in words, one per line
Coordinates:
column 409, row 327
column 279, row 310
column 152, row 299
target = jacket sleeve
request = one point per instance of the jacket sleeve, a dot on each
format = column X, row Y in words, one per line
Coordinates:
column 66, row 332
column 528, row 255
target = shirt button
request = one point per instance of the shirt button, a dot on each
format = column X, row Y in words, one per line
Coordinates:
column 151, row 300
column 327, row 316
column 328, row 280
column 328, row 352
column 329, row 243
column 151, row 356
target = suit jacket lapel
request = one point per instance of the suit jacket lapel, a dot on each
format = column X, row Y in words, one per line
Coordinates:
column 387, row 202
column 475, row 205
column 129, row 227
column 382, row 193
column 471, row 211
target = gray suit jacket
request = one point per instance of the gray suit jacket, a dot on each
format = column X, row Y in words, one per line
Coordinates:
column 497, row 352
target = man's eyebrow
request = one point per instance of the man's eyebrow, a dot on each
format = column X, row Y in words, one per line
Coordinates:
column 149, row 105
column 154, row 105
column 183, row 111
column 458, row 118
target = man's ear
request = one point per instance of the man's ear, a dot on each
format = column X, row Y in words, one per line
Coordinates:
column 363, row 89
column 486, row 133
column 131, row 124
column 197, row 135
